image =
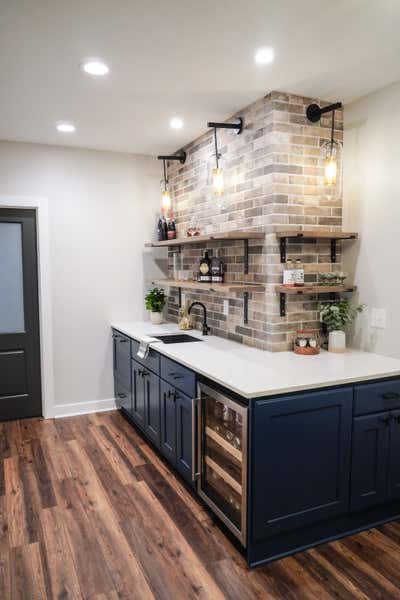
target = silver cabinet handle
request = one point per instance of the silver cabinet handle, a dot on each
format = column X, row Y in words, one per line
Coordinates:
column 195, row 420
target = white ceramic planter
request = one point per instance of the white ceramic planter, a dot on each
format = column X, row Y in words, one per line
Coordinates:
column 156, row 318
column 337, row 341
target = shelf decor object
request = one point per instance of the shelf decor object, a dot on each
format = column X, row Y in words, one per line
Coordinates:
column 165, row 195
column 315, row 234
column 331, row 151
column 230, row 288
column 216, row 178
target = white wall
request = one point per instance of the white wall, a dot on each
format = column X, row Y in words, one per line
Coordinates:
column 372, row 207
column 102, row 208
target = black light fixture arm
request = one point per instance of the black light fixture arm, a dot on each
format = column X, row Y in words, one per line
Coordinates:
column 315, row 112
column 217, row 155
column 181, row 156
column 237, row 126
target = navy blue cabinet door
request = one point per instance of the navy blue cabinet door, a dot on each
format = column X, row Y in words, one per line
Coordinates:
column 394, row 457
column 168, row 421
column 123, row 396
column 138, row 403
column 122, row 359
column 152, row 406
column 184, row 433
column 301, row 460
column 369, row 460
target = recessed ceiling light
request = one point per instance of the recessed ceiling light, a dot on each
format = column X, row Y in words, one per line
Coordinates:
column 95, row 66
column 176, row 123
column 264, row 55
column 65, row 127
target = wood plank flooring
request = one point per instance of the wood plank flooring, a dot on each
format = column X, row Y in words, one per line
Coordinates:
column 89, row 510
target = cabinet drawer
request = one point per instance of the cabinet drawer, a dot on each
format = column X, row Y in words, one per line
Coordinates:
column 152, row 361
column 178, row 376
column 376, row 397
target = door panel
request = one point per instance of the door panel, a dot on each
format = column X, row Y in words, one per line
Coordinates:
column 394, row 457
column 168, row 421
column 369, row 460
column 123, row 396
column 152, row 405
column 138, row 399
column 122, row 358
column 301, row 460
column 20, row 377
column 184, row 433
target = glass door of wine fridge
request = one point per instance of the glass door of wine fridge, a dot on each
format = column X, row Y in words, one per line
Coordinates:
column 222, row 453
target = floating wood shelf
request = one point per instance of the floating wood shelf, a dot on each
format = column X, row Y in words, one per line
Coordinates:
column 315, row 289
column 212, row 287
column 310, row 289
column 313, row 234
column 213, row 237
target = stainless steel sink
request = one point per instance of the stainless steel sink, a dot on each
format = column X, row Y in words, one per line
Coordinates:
column 176, row 338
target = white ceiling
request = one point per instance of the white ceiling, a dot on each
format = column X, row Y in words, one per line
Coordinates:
column 191, row 58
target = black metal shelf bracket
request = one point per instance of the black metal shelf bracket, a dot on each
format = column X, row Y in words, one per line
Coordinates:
column 282, row 245
column 282, row 304
column 246, row 256
column 180, row 297
column 245, row 307
column 333, row 250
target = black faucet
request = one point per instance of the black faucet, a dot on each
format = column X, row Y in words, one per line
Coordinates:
column 206, row 328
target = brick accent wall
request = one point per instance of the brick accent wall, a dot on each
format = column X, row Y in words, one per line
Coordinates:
column 274, row 179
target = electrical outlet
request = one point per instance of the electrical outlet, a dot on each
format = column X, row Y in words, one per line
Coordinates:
column 378, row 318
column 226, row 307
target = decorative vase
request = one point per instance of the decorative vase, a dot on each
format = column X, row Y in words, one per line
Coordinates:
column 156, row 318
column 337, row 341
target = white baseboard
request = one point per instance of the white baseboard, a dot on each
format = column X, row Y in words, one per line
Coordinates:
column 82, row 408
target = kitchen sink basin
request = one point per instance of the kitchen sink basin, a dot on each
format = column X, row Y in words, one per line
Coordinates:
column 176, row 338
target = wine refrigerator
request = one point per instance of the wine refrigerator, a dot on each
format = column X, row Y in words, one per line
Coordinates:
column 222, row 457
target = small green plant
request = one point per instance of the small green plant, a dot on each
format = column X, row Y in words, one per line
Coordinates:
column 155, row 300
column 338, row 315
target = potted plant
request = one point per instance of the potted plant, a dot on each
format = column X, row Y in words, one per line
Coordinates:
column 337, row 316
column 155, row 301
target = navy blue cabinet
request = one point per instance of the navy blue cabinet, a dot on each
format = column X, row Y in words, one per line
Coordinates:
column 301, row 460
column 369, row 460
column 138, row 403
column 394, row 457
column 184, row 435
column 122, row 369
column 168, row 421
column 152, row 405
column 123, row 396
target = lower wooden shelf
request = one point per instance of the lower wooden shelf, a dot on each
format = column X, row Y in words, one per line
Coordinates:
column 285, row 290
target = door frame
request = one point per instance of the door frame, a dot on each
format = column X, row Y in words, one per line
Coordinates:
column 40, row 205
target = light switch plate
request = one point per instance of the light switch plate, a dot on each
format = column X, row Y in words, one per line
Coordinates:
column 378, row 318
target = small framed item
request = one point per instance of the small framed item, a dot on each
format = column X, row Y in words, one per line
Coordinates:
column 307, row 342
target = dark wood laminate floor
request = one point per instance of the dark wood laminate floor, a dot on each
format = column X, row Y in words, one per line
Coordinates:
column 88, row 510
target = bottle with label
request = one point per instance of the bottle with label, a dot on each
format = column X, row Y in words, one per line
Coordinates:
column 217, row 269
column 164, row 228
column 160, row 230
column 289, row 273
column 205, row 269
column 299, row 273
column 171, row 230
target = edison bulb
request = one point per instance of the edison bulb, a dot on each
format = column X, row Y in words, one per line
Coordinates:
column 331, row 161
column 218, row 181
column 165, row 201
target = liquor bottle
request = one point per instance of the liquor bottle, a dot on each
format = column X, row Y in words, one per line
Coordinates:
column 160, row 230
column 165, row 228
column 171, row 232
column 205, row 268
column 217, row 269
column 299, row 273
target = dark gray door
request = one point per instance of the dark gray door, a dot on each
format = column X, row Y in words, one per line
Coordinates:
column 20, row 384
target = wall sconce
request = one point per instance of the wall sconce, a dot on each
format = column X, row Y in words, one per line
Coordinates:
column 331, row 151
column 165, row 193
column 217, row 175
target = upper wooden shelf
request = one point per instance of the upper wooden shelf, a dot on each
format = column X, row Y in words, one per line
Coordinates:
column 211, row 287
column 217, row 236
column 316, row 234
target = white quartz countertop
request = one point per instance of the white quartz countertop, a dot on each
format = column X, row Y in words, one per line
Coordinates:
column 253, row 373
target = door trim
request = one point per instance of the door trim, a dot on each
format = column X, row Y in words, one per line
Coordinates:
column 44, row 284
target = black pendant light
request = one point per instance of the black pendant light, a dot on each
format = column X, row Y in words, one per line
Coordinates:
column 165, row 194
column 217, row 176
